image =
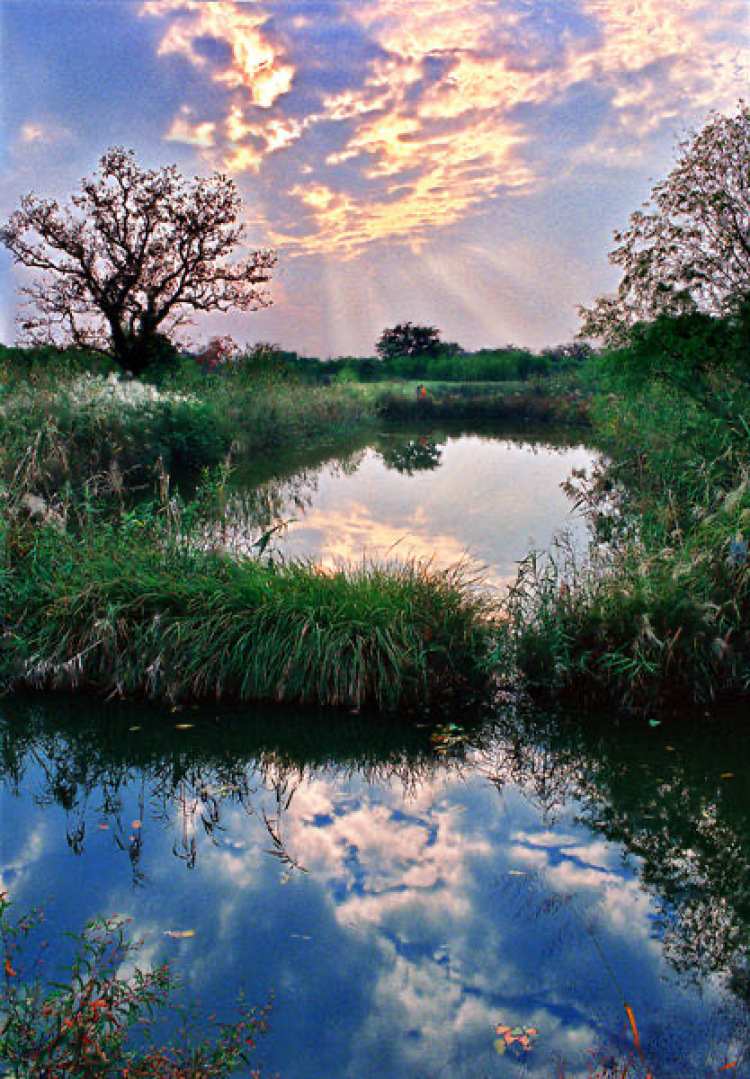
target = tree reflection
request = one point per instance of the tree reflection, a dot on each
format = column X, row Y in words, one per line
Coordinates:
column 672, row 796
column 412, row 455
column 674, row 800
column 96, row 763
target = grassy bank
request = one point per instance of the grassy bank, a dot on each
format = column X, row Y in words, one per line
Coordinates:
column 138, row 606
column 658, row 614
column 545, row 401
column 72, row 426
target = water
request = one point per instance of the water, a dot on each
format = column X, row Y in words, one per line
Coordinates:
column 440, row 496
column 403, row 891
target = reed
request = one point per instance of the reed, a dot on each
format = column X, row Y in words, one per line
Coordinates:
column 137, row 607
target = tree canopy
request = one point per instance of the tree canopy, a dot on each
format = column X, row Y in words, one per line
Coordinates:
column 132, row 256
column 687, row 250
column 410, row 340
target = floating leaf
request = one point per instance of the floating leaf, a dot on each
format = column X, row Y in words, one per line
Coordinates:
column 136, row 728
column 183, row 726
column 727, row 775
column 500, row 1046
column 654, row 723
column 519, row 1036
column 179, row 934
column 136, row 824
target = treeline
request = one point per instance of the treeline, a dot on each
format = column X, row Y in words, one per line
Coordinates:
column 448, row 364
column 451, row 364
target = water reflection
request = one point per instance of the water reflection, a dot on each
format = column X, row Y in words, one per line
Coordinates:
column 403, row 895
column 683, row 809
column 412, row 455
column 438, row 496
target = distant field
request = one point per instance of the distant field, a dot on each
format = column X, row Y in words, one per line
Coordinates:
column 408, row 388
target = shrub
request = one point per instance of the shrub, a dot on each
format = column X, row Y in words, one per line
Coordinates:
column 84, row 1026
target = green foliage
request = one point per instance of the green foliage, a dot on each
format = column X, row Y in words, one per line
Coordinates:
column 703, row 357
column 409, row 342
column 85, row 1025
column 512, row 403
column 686, row 251
column 96, row 432
column 659, row 612
column 147, row 604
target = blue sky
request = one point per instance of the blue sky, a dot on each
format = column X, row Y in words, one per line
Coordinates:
column 456, row 162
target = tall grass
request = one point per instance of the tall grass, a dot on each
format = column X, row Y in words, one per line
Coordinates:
column 269, row 413
column 138, row 606
column 658, row 615
column 526, row 403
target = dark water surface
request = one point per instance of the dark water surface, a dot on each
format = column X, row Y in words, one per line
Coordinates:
column 404, row 889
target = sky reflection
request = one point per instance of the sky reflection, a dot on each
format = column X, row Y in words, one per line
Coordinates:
column 411, row 914
column 488, row 500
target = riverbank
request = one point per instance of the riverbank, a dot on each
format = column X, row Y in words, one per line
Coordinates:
column 657, row 616
column 139, row 605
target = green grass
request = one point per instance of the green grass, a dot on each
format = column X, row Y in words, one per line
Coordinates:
column 544, row 402
column 128, row 608
column 658, row 614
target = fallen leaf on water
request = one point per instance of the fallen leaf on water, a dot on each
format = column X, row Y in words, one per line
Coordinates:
column 103, row 827
column 654, row 723
column 516, row 873
column 726, row 1067
column 521, row 1036
column 179, row 934
column 9, row 969
column 727, row 775
column 136, row 824
column 669, row 749
column 182, row 726
column 134, row 728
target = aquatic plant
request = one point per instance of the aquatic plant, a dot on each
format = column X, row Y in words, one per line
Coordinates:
column 140, row 604
column 85, row 1025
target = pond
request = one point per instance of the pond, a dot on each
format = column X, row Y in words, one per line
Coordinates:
column 443, row 496
column 404, row 891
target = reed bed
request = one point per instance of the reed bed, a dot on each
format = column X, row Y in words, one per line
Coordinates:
column 130, row 609
column 531, row 404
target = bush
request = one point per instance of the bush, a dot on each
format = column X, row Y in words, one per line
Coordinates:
column 83, row 1027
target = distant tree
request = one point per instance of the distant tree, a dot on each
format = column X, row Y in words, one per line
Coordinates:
column 134, row 254
column 688, row 249
column 218, row 353
column 408, row 340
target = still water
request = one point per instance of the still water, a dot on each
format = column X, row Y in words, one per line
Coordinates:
column 402, row 891
column 438, row 496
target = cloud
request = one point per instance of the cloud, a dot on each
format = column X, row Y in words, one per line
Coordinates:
column 185, row 130
column 250, row 62
column 398, row 117
column 42, row 133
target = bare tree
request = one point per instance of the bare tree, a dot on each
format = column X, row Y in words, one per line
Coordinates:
column 688, row 249
column 132, row 256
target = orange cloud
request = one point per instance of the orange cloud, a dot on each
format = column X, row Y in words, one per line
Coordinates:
column 184, row 130
column 255, row 64
column 433, row 123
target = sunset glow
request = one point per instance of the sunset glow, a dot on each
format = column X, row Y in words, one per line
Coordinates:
column 385, row 132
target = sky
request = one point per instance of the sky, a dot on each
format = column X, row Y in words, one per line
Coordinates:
column 459, row 163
